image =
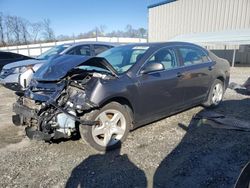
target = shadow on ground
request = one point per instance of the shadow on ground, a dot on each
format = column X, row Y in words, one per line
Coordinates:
column 207, row 157
column 235, row 108
column 110, row 169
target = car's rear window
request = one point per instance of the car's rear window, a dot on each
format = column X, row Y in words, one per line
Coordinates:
column 192, row 55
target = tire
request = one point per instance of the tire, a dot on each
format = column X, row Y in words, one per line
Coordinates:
column 215, row 95
column 108, row 134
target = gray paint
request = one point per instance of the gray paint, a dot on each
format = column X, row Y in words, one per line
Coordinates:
column 158, row 94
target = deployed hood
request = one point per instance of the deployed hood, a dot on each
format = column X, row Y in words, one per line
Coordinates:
column 59, row 67
column 23, row 63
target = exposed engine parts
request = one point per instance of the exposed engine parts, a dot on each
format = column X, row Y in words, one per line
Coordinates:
column 59, row 116
column 77, row 99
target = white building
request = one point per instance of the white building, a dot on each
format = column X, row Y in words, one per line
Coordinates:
column 222, row 25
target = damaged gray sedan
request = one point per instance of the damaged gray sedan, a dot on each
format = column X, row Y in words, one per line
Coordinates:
column 105, row 97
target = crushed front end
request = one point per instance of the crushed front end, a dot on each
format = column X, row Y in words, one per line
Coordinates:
column 58, row 96
column 53, row 110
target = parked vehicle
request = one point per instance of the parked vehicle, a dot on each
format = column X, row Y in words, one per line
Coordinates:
column 16, row 76
column 123, row 88
column 9, row 57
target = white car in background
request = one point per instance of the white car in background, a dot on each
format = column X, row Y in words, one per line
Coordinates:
column 16, row 76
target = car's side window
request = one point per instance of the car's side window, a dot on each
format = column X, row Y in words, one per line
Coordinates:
column 100, row 48
column 80, row 50
column 84, row 50
column 166, row 56
column 192, row 56
column 72, row 51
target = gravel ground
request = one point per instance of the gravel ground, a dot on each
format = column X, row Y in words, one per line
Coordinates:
column 173, row 152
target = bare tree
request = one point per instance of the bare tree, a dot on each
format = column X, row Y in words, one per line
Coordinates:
column 142, row 32
column 2, row 40
column 64, row 37
column 9, row 29
column 101, row 30
column 13, row 29
column 35, row 30
column 24, row 30
column 17, row 30
column 48, row 31
column 89, row 34
column 129, row 31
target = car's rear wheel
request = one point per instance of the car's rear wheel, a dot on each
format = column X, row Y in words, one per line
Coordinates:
column 112, row 129
column 215, row 94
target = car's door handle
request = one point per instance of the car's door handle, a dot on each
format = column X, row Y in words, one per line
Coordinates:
column 179, row 74
column 210, row 68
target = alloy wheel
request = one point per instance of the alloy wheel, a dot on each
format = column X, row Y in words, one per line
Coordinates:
column 217, row 94
column 111, row 127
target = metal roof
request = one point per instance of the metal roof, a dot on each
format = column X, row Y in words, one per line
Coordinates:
column 161, row 3
column 228, row 37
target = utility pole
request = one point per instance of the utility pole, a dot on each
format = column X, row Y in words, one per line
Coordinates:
column 96, row 35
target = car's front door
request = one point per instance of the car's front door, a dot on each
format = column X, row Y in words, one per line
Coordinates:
column 159, row 92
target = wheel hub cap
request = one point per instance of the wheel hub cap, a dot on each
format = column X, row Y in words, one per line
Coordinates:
column 217, row 94
column 111, row 128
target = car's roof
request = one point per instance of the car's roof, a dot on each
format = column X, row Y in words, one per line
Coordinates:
column 161, row 44
column 89, row 42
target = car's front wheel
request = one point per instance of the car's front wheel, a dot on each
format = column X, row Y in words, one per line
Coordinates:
column 112, row 129
column 215, row 95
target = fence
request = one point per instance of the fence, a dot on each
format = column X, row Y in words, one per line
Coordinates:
column 37, row 49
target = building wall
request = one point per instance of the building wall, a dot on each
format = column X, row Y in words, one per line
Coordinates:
column 241, row 58
column 195, row 16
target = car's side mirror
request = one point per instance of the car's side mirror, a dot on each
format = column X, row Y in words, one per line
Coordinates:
column 152, row 67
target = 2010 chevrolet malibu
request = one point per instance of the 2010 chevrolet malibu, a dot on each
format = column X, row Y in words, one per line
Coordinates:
column 123, row 88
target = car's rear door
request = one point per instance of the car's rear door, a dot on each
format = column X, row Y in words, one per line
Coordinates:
column 195, row 74
column 160, row 92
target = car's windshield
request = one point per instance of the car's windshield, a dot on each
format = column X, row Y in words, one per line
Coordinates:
column 53, row 51
column 123, row 57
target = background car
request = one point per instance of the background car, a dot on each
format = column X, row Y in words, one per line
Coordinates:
column 16, row 76
column 8, row 57
column 119, row 90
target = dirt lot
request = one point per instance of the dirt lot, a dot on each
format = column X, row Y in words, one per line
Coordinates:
column 169, row 153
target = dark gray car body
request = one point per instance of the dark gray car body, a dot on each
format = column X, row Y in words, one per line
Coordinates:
column 149, row 96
